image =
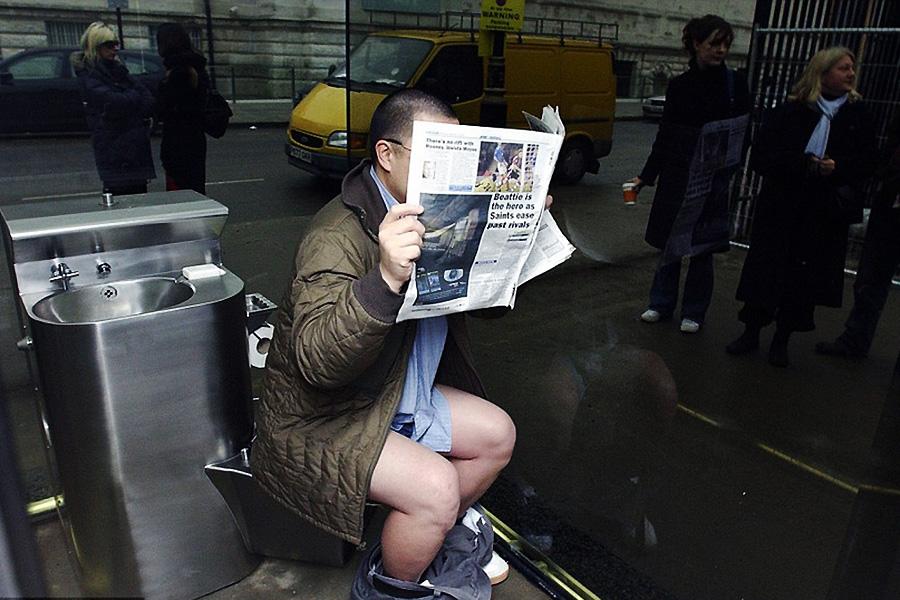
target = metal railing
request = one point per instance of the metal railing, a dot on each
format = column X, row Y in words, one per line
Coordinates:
column 469, row 22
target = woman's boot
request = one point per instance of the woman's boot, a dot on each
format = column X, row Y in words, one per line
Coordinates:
column 778, row 354
column 747, row 342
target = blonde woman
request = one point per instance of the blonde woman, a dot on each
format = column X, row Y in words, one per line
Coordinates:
column 815, row 152
column 118, row 110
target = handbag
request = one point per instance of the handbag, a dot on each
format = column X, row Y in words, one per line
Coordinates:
column 216, row 114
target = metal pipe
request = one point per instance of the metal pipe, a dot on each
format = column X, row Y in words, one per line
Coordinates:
column 41, row 507
column 348, row 79
column 210, row 55
column 829, row 30
column 119, row 26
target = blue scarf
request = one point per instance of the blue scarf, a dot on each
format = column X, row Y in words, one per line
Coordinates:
column 818, row 141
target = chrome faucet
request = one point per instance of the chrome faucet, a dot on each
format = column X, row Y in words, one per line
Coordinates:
column 63, row 273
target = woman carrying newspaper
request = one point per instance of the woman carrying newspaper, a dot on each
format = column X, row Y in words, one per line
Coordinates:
column 708, row 91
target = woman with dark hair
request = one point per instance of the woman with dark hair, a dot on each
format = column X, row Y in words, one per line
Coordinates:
column 182, row 100
column 707, row 91
column 815, row 152
column 118, row 110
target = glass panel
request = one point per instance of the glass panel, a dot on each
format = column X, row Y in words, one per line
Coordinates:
column 65, row 33
column 649, row 463
column 141, row 63
column 46, row 66
column 385, row 60
column 455, row 74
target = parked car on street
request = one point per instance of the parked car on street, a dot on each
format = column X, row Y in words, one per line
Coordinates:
column 653, row 106
column 39, row 92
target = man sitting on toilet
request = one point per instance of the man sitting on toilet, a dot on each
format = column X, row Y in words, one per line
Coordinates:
column 358, row 406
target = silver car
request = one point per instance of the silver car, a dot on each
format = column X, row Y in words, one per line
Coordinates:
column 653, row 106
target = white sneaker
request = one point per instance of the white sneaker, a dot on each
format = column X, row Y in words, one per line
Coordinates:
column 650, row 316
column 497, row 569
column 689, row 326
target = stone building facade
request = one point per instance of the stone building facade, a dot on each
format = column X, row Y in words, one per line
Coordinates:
column 271, row 48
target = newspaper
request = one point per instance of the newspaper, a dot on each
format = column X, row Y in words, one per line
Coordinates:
column 486, row 230
column 717, row 153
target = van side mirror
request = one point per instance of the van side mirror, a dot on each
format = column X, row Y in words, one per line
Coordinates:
column 6, row 78
column 331, row 69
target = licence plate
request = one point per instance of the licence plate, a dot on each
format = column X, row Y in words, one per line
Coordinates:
column 300, row 153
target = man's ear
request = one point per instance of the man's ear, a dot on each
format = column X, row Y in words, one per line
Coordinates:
column 384, row 155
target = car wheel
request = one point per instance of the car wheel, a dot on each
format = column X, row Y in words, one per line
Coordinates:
column 572, row 163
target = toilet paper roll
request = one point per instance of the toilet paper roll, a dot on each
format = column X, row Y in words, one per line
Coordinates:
column 258, row 345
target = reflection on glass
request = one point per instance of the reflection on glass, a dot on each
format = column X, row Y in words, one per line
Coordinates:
column 754, row 484
column 385, row 60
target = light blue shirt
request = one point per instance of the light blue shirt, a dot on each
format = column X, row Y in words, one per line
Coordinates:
column 423, row 414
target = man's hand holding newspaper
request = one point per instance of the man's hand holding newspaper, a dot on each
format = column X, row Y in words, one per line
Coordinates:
column 486, row 230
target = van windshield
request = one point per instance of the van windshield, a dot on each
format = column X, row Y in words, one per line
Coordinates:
column 383, row 60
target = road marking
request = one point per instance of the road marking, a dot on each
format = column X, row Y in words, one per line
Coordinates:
column 235, row 181
column 549, row 569
column 77, row 194
column 61, row 196
column 834, row 480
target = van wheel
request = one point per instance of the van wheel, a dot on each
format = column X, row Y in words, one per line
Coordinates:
column 572, row 163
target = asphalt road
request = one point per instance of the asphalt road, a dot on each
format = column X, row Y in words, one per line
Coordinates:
column 246, row 170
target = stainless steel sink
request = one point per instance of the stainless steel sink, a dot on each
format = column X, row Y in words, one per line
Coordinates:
column 113, row 300
column 145, row 379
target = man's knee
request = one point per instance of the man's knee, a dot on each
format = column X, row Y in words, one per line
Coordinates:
column 502, row 436
column 439, row 491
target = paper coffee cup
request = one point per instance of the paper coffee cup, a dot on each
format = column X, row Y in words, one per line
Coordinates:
column 629, row 192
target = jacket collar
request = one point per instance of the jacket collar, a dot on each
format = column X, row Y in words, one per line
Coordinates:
column 360, row 194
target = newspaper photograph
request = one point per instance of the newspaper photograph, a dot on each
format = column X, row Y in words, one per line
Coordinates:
column 717, row 154
column 483, row 192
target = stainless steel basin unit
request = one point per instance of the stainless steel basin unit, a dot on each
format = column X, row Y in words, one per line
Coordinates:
column 145, row 379
column 105, row 301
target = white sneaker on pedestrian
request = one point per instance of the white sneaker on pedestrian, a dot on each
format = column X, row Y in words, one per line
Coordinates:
column 689, row 326
column 650, row 316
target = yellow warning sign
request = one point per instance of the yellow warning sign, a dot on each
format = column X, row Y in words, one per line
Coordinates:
column 502, row 15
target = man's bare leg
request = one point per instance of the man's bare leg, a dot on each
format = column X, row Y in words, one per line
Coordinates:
column 483, row 440
column 422, row 489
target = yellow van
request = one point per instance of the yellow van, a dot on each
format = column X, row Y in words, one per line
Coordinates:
column 575, row 75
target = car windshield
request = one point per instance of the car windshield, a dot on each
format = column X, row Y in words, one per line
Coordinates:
column 385, row 60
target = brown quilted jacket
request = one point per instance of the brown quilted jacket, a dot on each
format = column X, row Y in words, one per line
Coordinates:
column 336, row 366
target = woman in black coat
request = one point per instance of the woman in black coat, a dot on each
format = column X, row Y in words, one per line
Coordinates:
column 708, row 91
column 815, row 152
column 118, row 110
column 182, row 100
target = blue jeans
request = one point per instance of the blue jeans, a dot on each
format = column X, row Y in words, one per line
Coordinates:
column 697, row 293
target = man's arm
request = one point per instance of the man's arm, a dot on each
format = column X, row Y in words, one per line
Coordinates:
column 342, row 312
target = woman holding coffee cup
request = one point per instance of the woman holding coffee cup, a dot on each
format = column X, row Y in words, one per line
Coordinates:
column 707, row 91
column 815, row 152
